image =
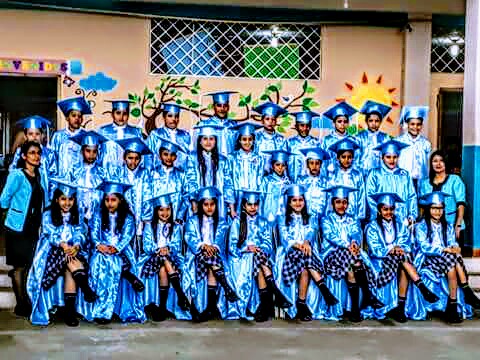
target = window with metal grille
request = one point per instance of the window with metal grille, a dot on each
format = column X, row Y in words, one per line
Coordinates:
column 448, row 52
column 211, row 48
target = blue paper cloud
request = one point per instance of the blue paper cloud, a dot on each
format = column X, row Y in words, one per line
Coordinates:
column 98, row 82
column 76, row 67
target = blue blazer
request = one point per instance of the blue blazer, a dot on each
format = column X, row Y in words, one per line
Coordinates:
column 16, row 198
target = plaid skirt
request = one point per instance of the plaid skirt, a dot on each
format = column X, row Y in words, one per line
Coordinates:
column 56, row 266
column 390, row 268
column 260, row 259
column 155, row 262
column 203, row 263
column 440, row 265
column 338, row 263
column 295, row 262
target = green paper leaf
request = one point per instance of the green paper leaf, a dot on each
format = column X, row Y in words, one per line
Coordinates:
column 231, row 115
column 194, row 105
column 310, row 90
column 196, row 83
column 188, row 102
column 272, row 88
column 279, row 85
column 171, row 91
column 135, row 112
column 149, row 107
column 255, row 103
column 150, row 96
column 241, row 103
column 210, row 106
column 194, row 91
column 179, row 101
column 281, row 129
column 264, row 97
column 131, row 97
column 179, row 93
column 248, row 99
column 307, row 101
column 145, row 92
column 305, row 85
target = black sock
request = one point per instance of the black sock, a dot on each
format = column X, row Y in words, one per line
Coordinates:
column 130, row 277
column 164, row 297
column 418, row 282
column 70, row 298
column 402, row 300
column 452, row 301
column 464, row 285
column 320, row 282
column 301, row 301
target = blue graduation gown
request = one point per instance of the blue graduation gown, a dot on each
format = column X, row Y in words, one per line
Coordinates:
column 240, row 265
column 298, row 233
column 370, row 158
column 273, row 200
column 112, row 152
column 115, row 295
column 151, row 295
column 316, row 197
column 296, row 163
column 330, row 139
column 196, row 288
column 179, row 136
column 414, row 158
column 67, row 153
column 265, row 141
column 438, row 285
column 44, row 301
column 228, row 138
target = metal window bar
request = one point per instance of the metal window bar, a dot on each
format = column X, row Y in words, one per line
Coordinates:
column 443, row 62
column 214, row 48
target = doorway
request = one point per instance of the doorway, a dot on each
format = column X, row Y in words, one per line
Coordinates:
column 450, row 115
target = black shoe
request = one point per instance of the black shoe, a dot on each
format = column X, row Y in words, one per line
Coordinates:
column 183, row 303
column 427, row 294
column 398, row 314
column 262, row 314
column 373, row 302
column 22, row 310
column 452, row 315
column 70, row 319
column 89, row 296
column 329, row 298
column 102, row 321
column 157, row 313
column 470, row 297
column 303, row 312
column 355, row 317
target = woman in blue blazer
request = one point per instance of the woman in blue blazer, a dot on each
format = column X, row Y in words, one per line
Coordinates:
column 23, row 197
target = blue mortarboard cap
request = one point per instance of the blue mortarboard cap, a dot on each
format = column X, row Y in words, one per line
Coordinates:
column 295, row 190
column 171, row 108
column 120, row 104
column 340, row 109
column 413, row 112
column 209, row 192
column 278, row 155
column 304, row 117
column 246, row 128
column 315, row 153
column 433, row 198
column 111, row 187
column 209, row 130
column 66, row 187
column 385, row 198
column 251, row 196
column 89, row 138
column 270, row 109
column 76, row 103
column 391, row 146
column 33, row 122
column 134, row 144
column 344, row 144
column 171, row 146
column 322, row 122
column 164, row 200
column 340, row 191
column 221, row 97
column 374, row 107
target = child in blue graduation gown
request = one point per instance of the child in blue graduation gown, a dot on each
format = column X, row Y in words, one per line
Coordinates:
column 441, row 264
column 60, row 261
column 298, row 261
column 268, row 138
column 112, row 229
column 161, row 263
column 372, row 137
column 344, row 259
column 315, row 183
column 303, row 125
column 274, row 185
column 207, row 167
column 390, row 249
column 170, row 131
column 390, row 178
column 246, row 163
column 167, row 178
column 112, row 152
column 346, row 175
column 251, row 252
column 414, row 158
column 205, row 237
column 68, row 153
column 340, row 115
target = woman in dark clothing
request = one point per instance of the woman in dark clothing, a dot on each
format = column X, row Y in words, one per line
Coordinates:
column 23, row 198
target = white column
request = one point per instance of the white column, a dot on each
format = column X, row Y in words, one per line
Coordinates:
column 471, row 121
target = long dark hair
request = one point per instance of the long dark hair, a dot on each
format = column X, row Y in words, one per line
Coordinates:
column 242, row 236
column 238, row 146
column 201, row 161
column 380, row 222
column 214, row 216
column 122, row 212
column 56, row 211
column 428, row 221
column 169, row 221
column 443, row 155
column 24, row 151
column 289, row 211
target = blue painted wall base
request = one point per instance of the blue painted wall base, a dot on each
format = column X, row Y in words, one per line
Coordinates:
column 471, row 176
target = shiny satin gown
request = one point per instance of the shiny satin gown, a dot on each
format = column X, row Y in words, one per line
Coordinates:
column 273, row 200
column 179, row 136
column 111, row 152
column 414, row 158
column 67, row 153
column 297, row 163
column 370, row 158
column 45, row 301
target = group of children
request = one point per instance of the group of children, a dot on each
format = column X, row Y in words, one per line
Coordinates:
column 231, row 220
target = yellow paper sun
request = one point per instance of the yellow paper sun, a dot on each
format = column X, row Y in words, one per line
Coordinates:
column 375, row 91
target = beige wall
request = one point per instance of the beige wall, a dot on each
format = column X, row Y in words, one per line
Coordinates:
column 119, row 46
column 439, row 81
